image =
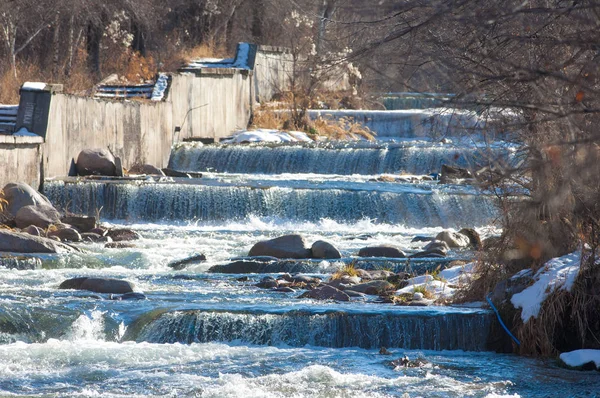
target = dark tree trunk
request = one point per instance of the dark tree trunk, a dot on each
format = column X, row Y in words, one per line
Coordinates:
column 94, row 37
column 257, row 20
column 56, row 46
column 139, row 39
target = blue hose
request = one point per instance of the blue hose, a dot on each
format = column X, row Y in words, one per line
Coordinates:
column 500, row 319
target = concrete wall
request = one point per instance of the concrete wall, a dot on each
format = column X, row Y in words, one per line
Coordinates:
column 135, row 131
column 204, row 103
column 20, row 159
column 217, row 102
column 272, row 72
column 209, row 104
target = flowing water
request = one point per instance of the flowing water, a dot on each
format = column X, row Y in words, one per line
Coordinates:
column 202, row 334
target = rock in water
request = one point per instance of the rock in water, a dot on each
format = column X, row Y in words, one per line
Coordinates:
column 381, row 251
column 373, row 287
column 123, row 234
column 19, row 195
column 81, row 223
column 96, row 162
column 473, row 236
column 146, row 169
column 453, row 239
column 437, row 246
column 451, row 174
column 67, row 234
column 39, row 215
column 24, row 243
column 98, row 285
column 287, row 246
column 326, row 293
column 181, row 264
column 325, row 250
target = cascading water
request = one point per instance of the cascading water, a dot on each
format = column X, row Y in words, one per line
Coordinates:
column 347, row 159
column 179, row 202
column 416, row 330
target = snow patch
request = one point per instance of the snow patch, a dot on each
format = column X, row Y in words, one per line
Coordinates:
column 239, row 62
column 267, row 135
column 581, row 357
column 451, row 278
column 558, row 273
column 160, row 87
column 33, row 86
column 241, row 57
column 23, row 132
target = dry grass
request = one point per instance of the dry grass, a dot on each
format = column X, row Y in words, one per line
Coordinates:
column 270, row 119
column 423, row 290
column 324, row 128
column 346, row 270
column 130, row 66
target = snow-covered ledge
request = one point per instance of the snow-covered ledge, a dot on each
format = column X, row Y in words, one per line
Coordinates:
column 21, row 139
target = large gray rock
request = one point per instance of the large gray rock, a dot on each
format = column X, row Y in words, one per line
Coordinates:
column 453, row 239
column 287, row 246
column 452, row 174
column 66, row 234
column 326, row 292
column 96, row 162
column 381, row 251
column 39, row 215
column 18, row 242
column 35, row 231
column 81, row 223
column 181, row 264
column 123, row 235
column 374, row 287
column 323, row 249
column 473, row 236
column 437, row 246
column 146, row 169
column 19, row 195
column 98, row 285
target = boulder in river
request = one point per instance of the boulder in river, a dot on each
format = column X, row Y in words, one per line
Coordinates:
column 437, row 246
column 453, row 174
column 19, row 242
column 453, row 239
column 381, row 251
column 287, row 246
column 181, row 264
column 41, row 215
column 325, row 250
column 18, row 195
column 326, row 292
column 98, row 285
column 146, row 169
column 96, row 162
column 374, row 287
column 35, row 231
column 473, row 236
column 80, row 223
column 122, row 234
column 66, row 234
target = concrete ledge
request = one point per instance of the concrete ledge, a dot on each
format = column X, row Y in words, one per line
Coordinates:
column 274, row 49
column 20, row 140
column 213, row 71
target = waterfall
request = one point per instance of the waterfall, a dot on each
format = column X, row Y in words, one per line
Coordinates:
column 346, row 160
column 185, row 202
column 398, row 329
